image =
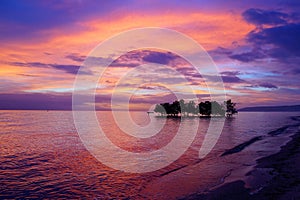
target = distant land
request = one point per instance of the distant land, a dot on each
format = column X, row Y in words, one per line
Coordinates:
column 294, row 108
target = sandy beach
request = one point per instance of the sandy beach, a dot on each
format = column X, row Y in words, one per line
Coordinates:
column 283, row 168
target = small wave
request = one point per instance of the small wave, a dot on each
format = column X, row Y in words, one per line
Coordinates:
column 173, row 170
column 295, row 118
column 278, row 131
column 179, row 168
column 242, row 146
column 281, row 130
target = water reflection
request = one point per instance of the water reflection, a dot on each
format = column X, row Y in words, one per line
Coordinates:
column 41, row 156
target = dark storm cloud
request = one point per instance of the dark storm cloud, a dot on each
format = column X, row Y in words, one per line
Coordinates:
column 276, row 36
column 261, row 17
column 286, row 37
column 279, row 40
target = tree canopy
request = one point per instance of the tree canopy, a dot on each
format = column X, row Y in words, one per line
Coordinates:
column 190, row 108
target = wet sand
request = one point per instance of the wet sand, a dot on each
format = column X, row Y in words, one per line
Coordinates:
column 283, row 168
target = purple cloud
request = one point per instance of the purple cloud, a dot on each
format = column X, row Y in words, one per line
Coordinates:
column 268, row 85
column 232, row 79
column 71, row 69
column 221, row 50
column 248, row 56
column 35, row 101
column 139, row 57
column 286, row 37
column 231, row 73
column 75, row 57
column 263, row 85
column 160, row 57
column 261, row 17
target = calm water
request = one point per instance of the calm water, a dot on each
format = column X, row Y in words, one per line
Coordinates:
column 41, row 156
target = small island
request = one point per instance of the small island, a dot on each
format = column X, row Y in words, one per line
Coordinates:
column 207, row 109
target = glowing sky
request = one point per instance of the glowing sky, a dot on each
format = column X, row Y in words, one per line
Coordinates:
column 255, row 44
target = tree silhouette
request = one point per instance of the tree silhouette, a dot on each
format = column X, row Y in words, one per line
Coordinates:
column 217, row 109
column 168, row 109
column 230, row 108
column 191, row 108
column 159, row 109
column 183, row 109
column 206, row 108
column 176, row 107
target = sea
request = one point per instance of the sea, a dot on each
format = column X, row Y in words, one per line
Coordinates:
column 43, row 155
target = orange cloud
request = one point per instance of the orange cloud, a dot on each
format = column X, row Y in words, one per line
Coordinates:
column 211, row 30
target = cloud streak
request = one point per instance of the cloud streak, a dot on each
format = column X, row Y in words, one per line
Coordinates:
column 43, row 45
column 71, row 69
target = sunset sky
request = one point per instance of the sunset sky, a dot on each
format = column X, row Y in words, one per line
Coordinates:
column 255, row 44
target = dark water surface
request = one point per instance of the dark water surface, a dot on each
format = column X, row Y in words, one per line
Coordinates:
column 41, row 156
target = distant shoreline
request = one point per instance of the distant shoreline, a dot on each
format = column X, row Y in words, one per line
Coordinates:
column 293, row 108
